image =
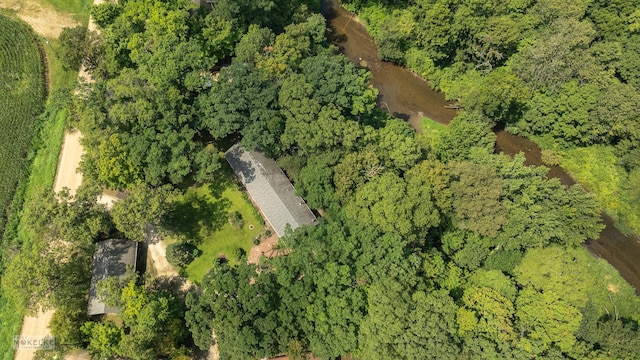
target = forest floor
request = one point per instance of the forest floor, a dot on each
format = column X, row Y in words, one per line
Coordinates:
column 45, row 19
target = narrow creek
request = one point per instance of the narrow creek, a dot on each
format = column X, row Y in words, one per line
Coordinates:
column 409, row 97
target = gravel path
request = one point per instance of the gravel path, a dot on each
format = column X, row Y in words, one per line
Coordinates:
column 70, row 155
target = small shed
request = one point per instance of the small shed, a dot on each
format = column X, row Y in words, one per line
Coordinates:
column 112, row 258
column 270, row 189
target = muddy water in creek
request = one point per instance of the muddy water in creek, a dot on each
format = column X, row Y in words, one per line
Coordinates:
column 409, row 97
column 402, row 93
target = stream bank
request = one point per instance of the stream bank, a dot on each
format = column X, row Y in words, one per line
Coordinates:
column 409, row 97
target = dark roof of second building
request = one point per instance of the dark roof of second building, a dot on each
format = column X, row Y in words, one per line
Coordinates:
column 112, row 257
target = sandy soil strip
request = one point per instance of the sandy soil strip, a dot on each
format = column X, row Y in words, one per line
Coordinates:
column 107, row 200
column 92, row 25
column 49, row 22
column 78, row 355
column 66, row 176
column 70, row 155
column 36, row 326
column 157, row 253
column 43, row 18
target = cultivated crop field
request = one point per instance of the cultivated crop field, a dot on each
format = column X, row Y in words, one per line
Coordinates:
column 22, row 96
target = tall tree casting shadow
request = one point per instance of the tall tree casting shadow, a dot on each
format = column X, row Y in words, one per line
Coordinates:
column 196, row 216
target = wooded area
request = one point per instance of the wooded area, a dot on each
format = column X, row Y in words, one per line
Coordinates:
column 563, row 73
column 431, row 246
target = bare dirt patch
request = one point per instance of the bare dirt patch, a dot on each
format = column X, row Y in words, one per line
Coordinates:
column 77, row 355
column 613, row 288
column 43, row 18
column 158, row 256
column 107, row 200
column 266, row 248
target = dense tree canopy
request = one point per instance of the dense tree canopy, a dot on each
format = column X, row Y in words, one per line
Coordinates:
column 563, row 72
column 153, row 325
column 426, row 248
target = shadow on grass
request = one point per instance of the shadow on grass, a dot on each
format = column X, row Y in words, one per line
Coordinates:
column 198, row 214
column 223, row 181
column 176, row 285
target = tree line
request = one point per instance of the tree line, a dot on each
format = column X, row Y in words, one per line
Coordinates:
column 562, row 72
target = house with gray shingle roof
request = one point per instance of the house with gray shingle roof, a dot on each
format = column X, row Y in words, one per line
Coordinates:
column 270, row 189
column 112, row 258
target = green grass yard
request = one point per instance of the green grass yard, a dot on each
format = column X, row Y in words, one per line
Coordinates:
column 200, row 215
column 79, row 8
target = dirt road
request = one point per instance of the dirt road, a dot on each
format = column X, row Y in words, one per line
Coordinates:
column 36, row 326
column 66, row 176
column 70, row 155
column 48, row 22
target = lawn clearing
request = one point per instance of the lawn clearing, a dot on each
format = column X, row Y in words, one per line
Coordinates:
column 201, row 215
column 429, row 130
column 58, row 77
column 596, row 168
column 79, row 8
